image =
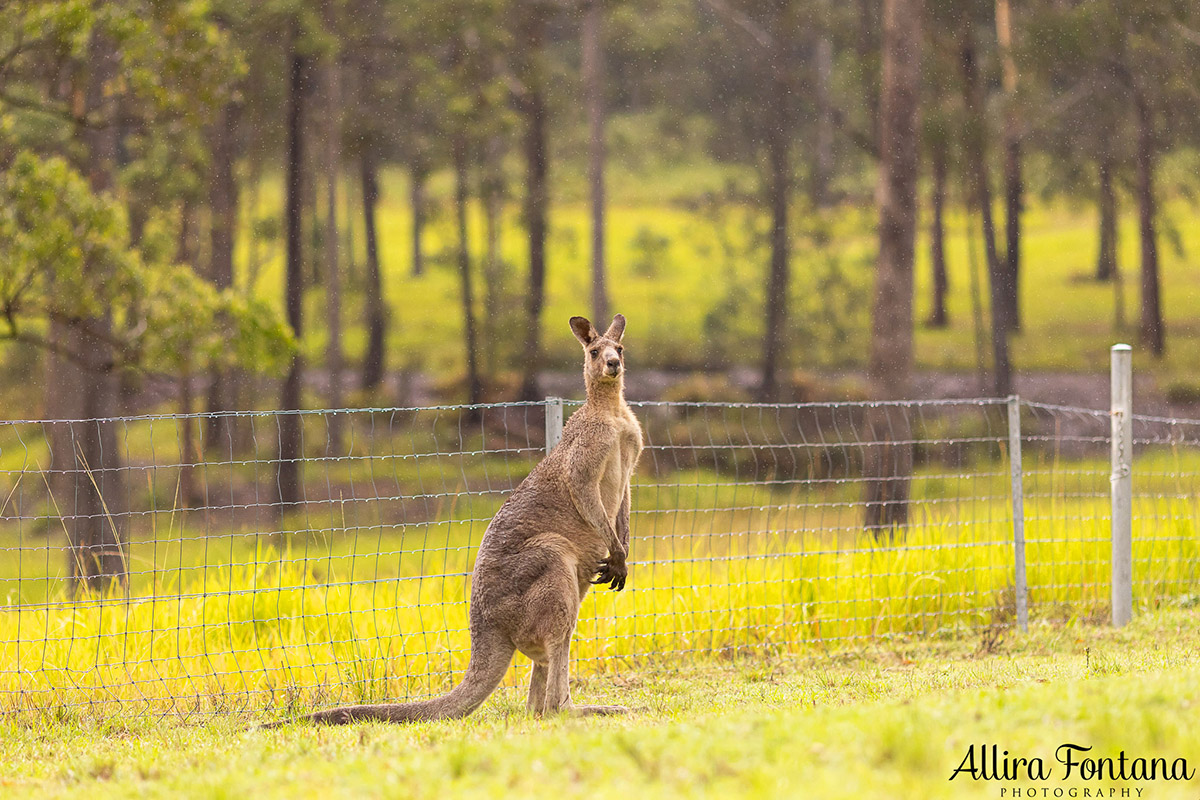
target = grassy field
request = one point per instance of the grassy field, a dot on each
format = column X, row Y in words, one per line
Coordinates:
column 224, row 621
column 892, row 720
column 703, row 257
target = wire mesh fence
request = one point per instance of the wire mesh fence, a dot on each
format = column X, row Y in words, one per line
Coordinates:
column 160, row 565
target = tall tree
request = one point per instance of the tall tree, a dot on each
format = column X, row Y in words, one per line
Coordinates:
column 941, row 119
column 763, row 36
column 418, row 173
column 1126, row 66
column 1106, row 256
column 466, row 283
column 492, row 189
column 822, row 165
column 531, row 102
column 374, row 360
column 1153, row 334
column 331, row 134
column 289, row 464
column 1013, row 184
column 369, row 16
column 889, row 455
column 937, row 240
column 223, row 208
column 97, row 546
column 976, row 165
column 593, row 88
column 778, row 282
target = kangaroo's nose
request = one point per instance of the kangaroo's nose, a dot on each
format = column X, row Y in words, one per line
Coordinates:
column 614, row 363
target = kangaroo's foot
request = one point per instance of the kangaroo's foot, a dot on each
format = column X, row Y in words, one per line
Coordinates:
column 596, row 711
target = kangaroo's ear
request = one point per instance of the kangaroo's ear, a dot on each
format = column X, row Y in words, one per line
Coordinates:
column 583, row 330
column 617, row 329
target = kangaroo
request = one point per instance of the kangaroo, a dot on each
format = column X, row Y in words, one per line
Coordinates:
column 564, row 528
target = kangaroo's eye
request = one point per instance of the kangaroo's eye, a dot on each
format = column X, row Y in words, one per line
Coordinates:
column 619, row 350
column 595, row 353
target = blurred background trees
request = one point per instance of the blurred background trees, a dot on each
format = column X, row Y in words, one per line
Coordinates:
column 214, row 196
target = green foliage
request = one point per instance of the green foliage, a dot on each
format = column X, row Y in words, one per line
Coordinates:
column 65, row 255
column 67, row 252
column 63, row 248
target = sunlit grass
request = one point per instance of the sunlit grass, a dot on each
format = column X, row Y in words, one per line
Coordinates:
column 690, row 278
column 887, row 719
column 326, row 624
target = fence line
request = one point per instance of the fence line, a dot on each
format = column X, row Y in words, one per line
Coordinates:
column 148, row 565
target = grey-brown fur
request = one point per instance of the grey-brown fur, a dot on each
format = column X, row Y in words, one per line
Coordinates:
column 565, row 527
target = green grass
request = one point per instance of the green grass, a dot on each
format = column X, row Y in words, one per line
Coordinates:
column 890, row 720
column 705, row 262
column 229, row 623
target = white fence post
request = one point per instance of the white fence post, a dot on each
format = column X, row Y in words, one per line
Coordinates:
column 1018, row 511
column 554, row 422
column 1122, row 485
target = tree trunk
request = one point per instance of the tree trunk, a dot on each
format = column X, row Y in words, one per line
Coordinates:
column 976, row 290
column 129, row 379
column 95, row 488
column 822, row 172
column 778, row 280
column 937, row 240
column 254, row 259
column 1013, row 185
column 536, row 199
column 373, row 361
column 1013, row 192
column 888, row 455
column 1106, row 259
column 223, row 206
column 1153, row 334
column 461, row 197
column 417, row 175
column 493, row 268
column 333, row 268
column 864, row 43
column 975, row 153
column 288, row 478
column 185, row 253
column 353, row 281
column 188, row 492
column 593, row 83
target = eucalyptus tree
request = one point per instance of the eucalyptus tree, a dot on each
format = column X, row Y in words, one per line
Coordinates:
column 131, row 82
column 978, row 172
column 1122, row 84
column 765, row 88
column 889, row 457
column 473, row 93
column 528, row 79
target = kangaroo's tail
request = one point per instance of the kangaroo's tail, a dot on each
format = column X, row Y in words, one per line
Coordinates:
column 490, row 659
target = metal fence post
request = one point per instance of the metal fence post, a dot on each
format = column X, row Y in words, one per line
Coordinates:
column 1122, row 485
column 554, row 421
column 1018, row 510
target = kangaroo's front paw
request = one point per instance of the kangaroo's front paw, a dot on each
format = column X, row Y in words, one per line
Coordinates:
column 612, row 571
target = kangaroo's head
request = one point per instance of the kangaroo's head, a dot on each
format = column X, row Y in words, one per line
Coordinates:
column 602, row 353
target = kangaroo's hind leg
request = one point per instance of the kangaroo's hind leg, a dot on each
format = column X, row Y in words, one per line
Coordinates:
column 537, row 689
column 558, row 685
column 550, row 613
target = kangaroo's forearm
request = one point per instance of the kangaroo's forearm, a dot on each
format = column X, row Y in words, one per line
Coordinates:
column 623, row 520
column 591, row 508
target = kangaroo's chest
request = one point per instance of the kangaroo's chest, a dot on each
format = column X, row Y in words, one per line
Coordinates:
column 618, row 469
